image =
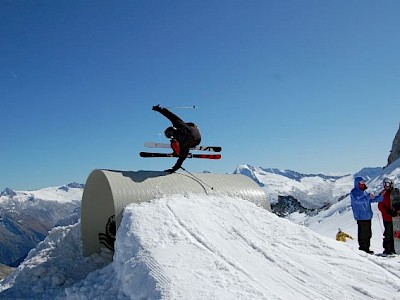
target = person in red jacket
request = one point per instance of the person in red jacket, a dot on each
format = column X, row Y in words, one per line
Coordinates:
column 387, row 214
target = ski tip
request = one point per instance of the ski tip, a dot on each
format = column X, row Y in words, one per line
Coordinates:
column 207, row 156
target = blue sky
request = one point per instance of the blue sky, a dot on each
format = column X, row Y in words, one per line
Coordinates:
column 311, row 86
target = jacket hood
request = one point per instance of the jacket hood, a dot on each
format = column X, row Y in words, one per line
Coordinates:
column 357, row 180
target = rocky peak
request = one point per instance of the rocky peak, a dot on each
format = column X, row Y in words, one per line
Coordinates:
column 395, row 151
column 73, row 185
column 8, row 192
column 287, row 205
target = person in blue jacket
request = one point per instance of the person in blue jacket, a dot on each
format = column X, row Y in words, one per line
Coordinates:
column 361, row 205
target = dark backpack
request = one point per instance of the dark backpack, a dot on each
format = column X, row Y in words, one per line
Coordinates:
column 395, row 199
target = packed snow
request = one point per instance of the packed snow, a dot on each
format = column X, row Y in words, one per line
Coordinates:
column 203, row 247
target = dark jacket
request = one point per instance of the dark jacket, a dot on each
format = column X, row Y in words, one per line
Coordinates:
column 187, row 135
column 361, row 202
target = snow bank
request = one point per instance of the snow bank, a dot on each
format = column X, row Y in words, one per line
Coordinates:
column 204, row 247
column 56, row 263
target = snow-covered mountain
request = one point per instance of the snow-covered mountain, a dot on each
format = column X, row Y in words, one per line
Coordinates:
column 27, row 216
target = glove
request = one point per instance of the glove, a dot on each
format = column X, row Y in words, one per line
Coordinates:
column 156, row 107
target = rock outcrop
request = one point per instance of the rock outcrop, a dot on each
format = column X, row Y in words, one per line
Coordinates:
column 395, row 151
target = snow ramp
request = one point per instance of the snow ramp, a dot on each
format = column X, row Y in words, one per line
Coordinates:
column 108, row 192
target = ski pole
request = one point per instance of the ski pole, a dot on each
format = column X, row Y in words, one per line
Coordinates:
column 380, row 224
column 197, row 178
column 183, row 107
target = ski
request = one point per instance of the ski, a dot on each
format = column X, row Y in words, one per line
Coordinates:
column 395, row 205
column 191, row 155
column 386, row 255
column 166, row 145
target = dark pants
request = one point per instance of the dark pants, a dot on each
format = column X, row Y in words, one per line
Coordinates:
column 364, row 234
column 388, row 240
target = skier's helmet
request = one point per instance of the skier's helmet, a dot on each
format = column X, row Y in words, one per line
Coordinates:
column 169, row 132
column 387, row 182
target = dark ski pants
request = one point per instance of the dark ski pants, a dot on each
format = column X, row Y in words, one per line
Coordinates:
column 388, row 240
column 364, row 234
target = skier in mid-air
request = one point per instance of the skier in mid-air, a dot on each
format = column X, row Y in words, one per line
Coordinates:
column 183, row 136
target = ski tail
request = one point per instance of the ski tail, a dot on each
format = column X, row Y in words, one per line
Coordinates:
column 151, row 154
column 206, row 156
column 208, row 148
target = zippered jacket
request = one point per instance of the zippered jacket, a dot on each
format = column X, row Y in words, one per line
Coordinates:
column 385, row 207
column 361, row 201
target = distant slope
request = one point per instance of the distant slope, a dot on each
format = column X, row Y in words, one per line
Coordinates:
column 312, row 191
column 27, row 216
